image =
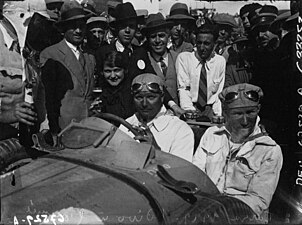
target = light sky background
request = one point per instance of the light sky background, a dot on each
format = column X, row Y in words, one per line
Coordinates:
column 231, row 7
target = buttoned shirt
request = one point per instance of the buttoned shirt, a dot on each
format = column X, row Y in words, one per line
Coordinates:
column 171, row 134
column 251, row 175
column 74, row 49
column 188, row 68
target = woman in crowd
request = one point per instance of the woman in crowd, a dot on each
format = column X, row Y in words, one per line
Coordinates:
column 116, row 92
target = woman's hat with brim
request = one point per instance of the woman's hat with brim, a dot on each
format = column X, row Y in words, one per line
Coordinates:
column 179, row 11
column 123, row 12
column 155, row 22
column 71, row 10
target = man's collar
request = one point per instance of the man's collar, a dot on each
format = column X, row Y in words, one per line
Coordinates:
column 160, row 121
column 71, row 46
column 157, row 57
column 120, row 47
column 256, row 130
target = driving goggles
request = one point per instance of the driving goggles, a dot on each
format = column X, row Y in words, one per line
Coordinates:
column 251, row 95
column 152, row 87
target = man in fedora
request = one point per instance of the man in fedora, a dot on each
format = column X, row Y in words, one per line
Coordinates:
column 162, row 59
column 67, row 72
column 179, row 15
column 125, row 27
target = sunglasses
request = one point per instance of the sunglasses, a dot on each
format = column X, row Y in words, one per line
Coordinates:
column 251, row 95
column 153, row 87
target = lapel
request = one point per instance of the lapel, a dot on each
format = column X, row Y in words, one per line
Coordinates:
column 72, row 64
column 89, row 70
column 156, row 67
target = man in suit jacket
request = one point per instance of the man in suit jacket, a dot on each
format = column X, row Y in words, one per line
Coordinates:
column 125, row 26
column 67, row 73
column 162, row 59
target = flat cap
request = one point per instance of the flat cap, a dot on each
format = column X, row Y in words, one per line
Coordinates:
column 241, row 95
column 225, row 19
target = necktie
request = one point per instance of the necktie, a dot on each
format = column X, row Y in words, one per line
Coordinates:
column 127, row 51
column 163, row 66
column 202, row 92
column 81, row 58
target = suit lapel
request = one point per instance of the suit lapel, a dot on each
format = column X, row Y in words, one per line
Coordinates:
column 72, row 64
column 156, row 67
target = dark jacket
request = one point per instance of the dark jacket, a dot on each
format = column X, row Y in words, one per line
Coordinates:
column 138, row 63
column 68, row 86
column 171, row 76
column 118, row 100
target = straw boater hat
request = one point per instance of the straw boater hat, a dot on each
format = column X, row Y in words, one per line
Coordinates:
column 71, row 10
column 179, row 11
column 124, row 12
column 155, row 22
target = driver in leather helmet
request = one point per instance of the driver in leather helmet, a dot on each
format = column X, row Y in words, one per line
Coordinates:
column 171, row 134
column 239, row 157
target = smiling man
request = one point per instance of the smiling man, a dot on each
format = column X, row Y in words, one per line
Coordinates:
column 67, row 72
column 239, row 157
column 201, row 74
column 170, row 133
column 162, row 59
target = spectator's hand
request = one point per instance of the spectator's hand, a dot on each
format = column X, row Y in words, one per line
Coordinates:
column 177, row 110
column 24, row 112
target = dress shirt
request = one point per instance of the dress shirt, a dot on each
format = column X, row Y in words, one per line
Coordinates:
column 165, row 59
column 188, row 68
column 251, row 175
column 74, row 49
column 171, row 134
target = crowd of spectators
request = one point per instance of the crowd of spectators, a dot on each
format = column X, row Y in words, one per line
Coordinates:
column 153, row 69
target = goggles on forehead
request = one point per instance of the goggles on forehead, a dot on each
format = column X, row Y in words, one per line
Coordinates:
column 251, row 95
column 153, row 87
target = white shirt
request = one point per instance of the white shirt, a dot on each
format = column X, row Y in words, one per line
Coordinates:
column 188, row 74
column 171, row 134
column 74, row 49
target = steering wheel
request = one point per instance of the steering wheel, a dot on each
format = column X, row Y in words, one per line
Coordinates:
column 112, row 117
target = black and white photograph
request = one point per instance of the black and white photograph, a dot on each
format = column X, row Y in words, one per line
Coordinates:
column 150, row 112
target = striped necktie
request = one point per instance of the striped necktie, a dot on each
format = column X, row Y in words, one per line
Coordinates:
column 202, row 92
column 163, row 66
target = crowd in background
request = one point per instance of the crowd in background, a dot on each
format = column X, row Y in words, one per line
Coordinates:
column 111, row 48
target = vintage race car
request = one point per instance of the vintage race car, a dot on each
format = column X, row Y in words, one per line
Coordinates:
column 103, row 176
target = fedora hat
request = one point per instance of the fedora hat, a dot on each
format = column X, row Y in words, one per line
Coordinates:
column 179, row 11
column 71, row 10
column 123, row 12
column 156, row 21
